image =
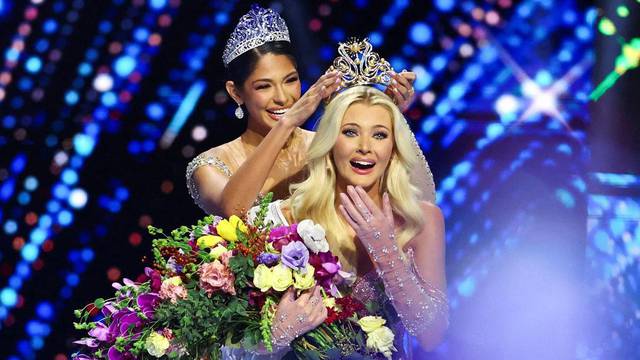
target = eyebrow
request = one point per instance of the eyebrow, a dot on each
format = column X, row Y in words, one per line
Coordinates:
column 270, row 80
column 375, row 126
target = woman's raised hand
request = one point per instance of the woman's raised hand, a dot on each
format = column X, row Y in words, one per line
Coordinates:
column 326, row 85
column 295, row 317
column 373, row 226
column 401, row 89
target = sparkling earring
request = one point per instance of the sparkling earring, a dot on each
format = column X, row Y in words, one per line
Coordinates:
column 239, row 112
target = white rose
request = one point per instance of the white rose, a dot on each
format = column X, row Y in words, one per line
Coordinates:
column 381, row 340
column 313, row 236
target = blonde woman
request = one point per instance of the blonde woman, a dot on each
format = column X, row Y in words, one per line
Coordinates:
column 359, row 190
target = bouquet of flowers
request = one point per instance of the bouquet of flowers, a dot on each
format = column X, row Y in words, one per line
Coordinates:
column 217, row 283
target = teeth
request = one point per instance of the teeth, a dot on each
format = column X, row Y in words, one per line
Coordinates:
column 365, row 163
column 278, row 112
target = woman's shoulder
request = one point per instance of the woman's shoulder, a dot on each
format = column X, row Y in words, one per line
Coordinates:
column 216, row 156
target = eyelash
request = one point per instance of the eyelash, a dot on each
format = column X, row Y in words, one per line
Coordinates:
column 380, row 135
column 291, row 80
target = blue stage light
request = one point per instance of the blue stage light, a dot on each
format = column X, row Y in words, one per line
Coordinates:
column 467, row 287
column 124, row 65
column 42, row 45
column 109, row 99
column 565, row 198
column 376, row 38
column 18, row 164
column 45, row 221
column 30, row 252
column 87, row 255
column 12, row 55
column 157, row 4
column 583, row 33
column 24, row 198
column 421, row 33
column 423, row 78
column 33, row 64
column 155, row 111
column 494, row 130
column 222, row 18
column 60, row 191
column 122, row 193
column 23, row 269
column 71, row 97
column 462, row 169
column 25, row 84
column 15, row 281
column 45, row 310
column 84, row 69
column 10, row 227
column 6, row 189
column 445, row 5
column 37, row 342
column 337, row 34
column 83, row 144
column 141, row 34
column 53, row 206
column 8, row 297
column 73, row 279
column 65, row 217
column 9, row 122
column 78, row 198
column 69, row 176
column 38, row 236
column 49, row 26
column 544, row 78
column 438, row 62
column 507, row 104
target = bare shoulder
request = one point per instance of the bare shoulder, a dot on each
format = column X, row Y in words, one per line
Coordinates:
column 432, row 233
column 432, row 212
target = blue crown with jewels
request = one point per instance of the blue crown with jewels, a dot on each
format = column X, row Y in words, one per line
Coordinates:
column 255, row 28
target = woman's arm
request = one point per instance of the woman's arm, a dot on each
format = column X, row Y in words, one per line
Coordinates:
column 418, row 293
column 238, row 192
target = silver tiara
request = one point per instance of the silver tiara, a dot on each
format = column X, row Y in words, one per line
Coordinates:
column 360, row 65
column 255, row 28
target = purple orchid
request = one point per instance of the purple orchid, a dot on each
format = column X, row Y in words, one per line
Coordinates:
column 283, row 235
column 326, row 267
column 114, row 354
column 296, row 256
column 147, row 303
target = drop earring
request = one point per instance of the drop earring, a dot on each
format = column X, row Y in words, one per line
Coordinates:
column 239, row 113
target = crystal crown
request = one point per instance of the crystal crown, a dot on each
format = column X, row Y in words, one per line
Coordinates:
column 255, row 28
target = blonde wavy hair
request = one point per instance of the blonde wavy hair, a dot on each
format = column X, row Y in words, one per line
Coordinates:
column 308, row 202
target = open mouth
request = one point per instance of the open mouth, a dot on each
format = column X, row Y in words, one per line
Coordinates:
column 277, row 113
column 363, row 164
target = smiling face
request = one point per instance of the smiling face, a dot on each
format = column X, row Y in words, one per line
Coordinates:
column 364, row 146
column 271, row 89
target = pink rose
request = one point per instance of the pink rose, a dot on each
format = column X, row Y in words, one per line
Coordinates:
column 215, row 276
column 172, row 291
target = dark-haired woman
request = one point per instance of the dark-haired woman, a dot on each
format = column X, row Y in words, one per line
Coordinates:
column 270, row 154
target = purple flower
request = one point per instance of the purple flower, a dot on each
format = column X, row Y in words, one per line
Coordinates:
column 155, row 278
column 100, row 332
column 88, row 342
column 283, row 235
column 114, row 354
column 295, row 255
column 81, row 357
column 268, row 258
column 326, row 266
column 148, row 303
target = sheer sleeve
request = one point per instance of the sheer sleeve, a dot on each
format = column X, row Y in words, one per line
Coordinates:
column 204, row 159
column 421, row 175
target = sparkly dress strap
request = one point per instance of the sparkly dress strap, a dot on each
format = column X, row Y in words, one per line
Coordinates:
column 204, row 159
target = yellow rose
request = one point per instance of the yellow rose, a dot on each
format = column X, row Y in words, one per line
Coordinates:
column 176, row 280
column 329, row 302
column 282, row 277
column 370, row 323
column 381, row 340
column 304, row 281
column 238, row 224
column 263, row 277
column 217, row 251
column 227, row 228
column 208, row 241
column 156, row 345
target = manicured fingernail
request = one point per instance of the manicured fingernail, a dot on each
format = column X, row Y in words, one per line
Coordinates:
column 394, row 81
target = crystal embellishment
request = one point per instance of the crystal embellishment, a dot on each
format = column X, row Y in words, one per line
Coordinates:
column 255, row 28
